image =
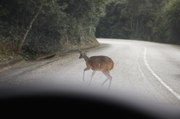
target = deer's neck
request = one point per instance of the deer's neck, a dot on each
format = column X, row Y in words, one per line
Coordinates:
column 86, row 58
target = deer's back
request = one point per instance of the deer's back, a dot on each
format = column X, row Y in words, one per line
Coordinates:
column 102, row 63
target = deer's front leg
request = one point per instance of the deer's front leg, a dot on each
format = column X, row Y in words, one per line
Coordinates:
column 87, row 68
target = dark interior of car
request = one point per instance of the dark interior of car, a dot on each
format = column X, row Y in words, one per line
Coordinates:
column 69, row 105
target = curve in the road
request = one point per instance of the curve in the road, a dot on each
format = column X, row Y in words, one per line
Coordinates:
column 158, row 77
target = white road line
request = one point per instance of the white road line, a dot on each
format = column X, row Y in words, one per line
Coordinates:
column 157, row 77
column 139, row 68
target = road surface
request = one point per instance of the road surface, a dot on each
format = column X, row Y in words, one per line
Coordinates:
column 145, row 74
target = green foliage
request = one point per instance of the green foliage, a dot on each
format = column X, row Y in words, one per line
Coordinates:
column 153, row 20
column 60, row 25
column 128, row 19
column 169, row 20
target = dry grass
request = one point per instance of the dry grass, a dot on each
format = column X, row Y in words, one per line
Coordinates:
column 8, row 51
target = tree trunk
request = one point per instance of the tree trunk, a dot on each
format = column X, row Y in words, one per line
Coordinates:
column 28, row 29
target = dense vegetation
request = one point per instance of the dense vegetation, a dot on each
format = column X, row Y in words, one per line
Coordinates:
column 152, row 20
column 37, row 27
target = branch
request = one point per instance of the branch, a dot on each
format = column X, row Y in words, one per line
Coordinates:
column 29, row 28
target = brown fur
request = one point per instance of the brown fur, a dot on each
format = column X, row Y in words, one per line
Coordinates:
column 98, row 63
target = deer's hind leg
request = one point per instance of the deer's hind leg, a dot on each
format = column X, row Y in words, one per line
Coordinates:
column 109, row 77
column 92, row 77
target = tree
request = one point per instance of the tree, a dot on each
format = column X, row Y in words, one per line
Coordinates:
column 169, row 22
column 153, row 20
column 47, row 26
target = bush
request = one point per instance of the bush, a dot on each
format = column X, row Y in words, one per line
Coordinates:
column 50, row 25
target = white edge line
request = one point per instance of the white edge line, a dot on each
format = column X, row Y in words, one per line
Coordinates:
column 157, row 77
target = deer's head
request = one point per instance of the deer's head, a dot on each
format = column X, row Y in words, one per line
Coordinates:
column 82, row 54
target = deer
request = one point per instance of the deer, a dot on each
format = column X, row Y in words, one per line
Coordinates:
column 98, row 63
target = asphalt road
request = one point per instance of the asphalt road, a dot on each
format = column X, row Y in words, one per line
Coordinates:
column 145, row 75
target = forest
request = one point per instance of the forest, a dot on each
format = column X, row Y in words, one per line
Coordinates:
column 150, row 20
column 33, row 28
